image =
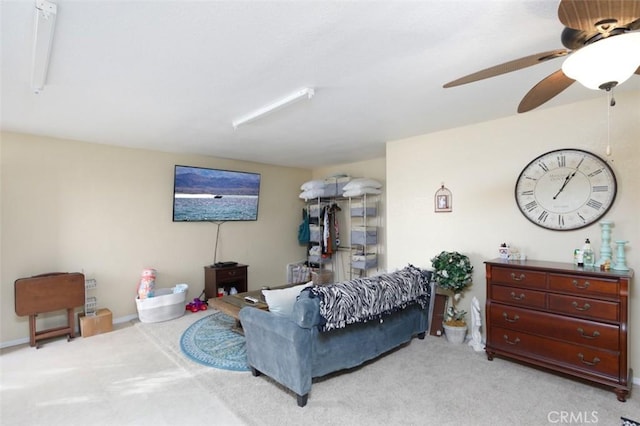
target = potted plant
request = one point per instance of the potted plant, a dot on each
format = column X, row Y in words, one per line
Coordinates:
column 452, row 272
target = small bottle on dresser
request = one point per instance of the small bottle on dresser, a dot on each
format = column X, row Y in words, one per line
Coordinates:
column 588, row 257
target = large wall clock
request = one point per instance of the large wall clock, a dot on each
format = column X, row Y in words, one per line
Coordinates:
column 565, row 189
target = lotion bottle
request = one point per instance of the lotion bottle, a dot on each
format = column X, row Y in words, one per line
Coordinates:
column 588, row 257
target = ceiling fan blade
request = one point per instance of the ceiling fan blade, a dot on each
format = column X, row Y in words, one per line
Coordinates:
column 584, row 14
column 510, row 66
column 638, row 71
column 545, row 90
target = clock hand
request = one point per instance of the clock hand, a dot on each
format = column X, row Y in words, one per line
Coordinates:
column 566, row 181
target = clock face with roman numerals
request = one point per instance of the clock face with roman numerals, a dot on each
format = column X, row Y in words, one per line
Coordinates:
column 565, row 189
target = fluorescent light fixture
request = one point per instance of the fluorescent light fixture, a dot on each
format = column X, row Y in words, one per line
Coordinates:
column 43, row 37
column 605, row 63
column 267, row 109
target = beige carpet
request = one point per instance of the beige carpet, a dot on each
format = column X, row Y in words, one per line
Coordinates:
column 119, row 378
column 141, row 377
column 428, row 382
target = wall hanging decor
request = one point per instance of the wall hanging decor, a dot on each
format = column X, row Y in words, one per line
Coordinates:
column 443, row 200
column 565, row 189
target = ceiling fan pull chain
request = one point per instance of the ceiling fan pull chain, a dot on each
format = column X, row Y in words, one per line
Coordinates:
column 611, row 102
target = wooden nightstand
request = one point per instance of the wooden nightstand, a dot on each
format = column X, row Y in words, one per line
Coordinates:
column 224, row 278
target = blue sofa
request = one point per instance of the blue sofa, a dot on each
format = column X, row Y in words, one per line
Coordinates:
column 313, row 342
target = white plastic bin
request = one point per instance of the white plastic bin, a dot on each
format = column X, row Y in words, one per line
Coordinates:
column 163, row 306
column 298, row 272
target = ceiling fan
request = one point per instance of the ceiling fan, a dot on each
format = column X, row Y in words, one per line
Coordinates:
column 594, row 31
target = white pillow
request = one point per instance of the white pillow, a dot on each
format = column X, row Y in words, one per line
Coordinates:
column 312, row 193
column 313, row 184
column 358, row 183
column 361, row 191
column 281, row 301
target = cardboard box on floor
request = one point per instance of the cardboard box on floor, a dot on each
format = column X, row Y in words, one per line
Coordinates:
column 101, row 322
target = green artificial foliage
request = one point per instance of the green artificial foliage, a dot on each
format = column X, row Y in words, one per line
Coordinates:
column 452, row 271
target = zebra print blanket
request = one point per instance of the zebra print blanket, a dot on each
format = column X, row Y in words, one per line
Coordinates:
column 366, row 299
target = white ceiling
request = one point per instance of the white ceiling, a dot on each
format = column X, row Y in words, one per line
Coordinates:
column 173, row 75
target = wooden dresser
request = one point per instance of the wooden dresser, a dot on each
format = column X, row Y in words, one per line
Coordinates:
column 566, row 318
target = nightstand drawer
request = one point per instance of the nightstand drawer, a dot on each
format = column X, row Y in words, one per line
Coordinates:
column 227, row 274
column 519, row 277
column 587, row 286
column 518, row 296
column 585, row 308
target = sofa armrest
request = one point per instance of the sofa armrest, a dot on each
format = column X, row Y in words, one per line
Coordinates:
column 306, row 311
column 279, row 348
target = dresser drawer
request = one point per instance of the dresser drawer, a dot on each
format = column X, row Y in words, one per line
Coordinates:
column 561, row 354
column 583, row 307
column 583, row 332
column 587, row 286
column 518, row 296
column 520, row 277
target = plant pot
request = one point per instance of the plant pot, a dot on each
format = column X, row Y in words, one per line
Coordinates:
column 455, row 334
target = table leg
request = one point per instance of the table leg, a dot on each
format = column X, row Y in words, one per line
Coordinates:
column 32, row 330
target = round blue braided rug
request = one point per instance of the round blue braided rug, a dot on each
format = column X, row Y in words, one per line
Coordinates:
column 211, row 342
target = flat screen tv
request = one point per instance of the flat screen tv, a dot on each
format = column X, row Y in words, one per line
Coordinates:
column 210, row 195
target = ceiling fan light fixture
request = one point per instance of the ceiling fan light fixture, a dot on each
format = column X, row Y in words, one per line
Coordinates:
column 605, row 63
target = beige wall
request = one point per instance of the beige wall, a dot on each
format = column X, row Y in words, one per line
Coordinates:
column 480, row 164
column 72, row 206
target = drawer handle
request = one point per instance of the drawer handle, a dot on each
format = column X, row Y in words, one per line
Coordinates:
column 520, row 297
column 518, row 278
column 586, row 306
column 595, row 361
column 586, row 336
column 514, row 342
column 506, row 317
column 581, row 287
column 232, row 272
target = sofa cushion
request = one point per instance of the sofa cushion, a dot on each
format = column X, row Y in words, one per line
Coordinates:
column 281, row 301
